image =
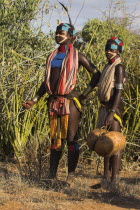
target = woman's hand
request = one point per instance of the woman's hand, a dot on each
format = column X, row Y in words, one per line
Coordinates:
column 109, row 119
column 28, row 104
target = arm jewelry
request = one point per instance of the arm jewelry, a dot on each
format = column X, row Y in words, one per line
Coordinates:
column 119, row 86
column 36, row 98
column 112, row 110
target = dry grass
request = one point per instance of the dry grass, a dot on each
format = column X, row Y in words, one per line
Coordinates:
column 17, row 193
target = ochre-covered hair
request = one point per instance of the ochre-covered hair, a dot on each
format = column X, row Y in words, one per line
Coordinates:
column 67, row 27
column 115, row 43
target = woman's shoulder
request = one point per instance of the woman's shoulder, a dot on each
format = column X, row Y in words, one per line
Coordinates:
column 120, row 67
column 119, row 70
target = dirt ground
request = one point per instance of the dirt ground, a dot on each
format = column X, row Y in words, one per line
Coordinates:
column 19, row 194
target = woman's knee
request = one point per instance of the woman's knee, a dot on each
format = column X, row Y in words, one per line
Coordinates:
column 115, row 126
column 72, row 136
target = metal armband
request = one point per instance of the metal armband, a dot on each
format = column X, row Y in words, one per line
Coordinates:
column 87, row 91
column 112, row 110
column 36, row 98
column 119, row 86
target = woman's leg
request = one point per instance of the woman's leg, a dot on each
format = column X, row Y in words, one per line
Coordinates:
column 55, row 156
column 72, row 138
column 115, row 160
column 107, row 169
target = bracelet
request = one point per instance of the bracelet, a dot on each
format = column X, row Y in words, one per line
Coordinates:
column 112, row 110
column 36, row 98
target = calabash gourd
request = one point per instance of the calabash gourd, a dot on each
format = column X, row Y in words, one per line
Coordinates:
column 105, row 143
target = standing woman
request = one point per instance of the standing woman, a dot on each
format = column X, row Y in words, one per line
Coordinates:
column 109, row 92
column 64, row 101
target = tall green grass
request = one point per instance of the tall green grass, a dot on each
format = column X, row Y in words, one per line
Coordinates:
column 22, row 71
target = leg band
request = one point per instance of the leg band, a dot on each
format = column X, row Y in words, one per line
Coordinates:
column 73, row 156
column 55, row 157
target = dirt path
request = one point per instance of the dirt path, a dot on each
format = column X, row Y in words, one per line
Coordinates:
column 45, row 195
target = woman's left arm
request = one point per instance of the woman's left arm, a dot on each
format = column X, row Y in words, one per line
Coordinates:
column 92, row 69
column 119, row 78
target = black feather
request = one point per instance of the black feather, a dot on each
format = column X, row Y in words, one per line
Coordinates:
column 66, row 11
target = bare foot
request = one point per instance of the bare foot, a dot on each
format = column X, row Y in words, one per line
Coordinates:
column 70, row 179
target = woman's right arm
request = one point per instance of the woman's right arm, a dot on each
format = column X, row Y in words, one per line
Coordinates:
column 41, row 91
